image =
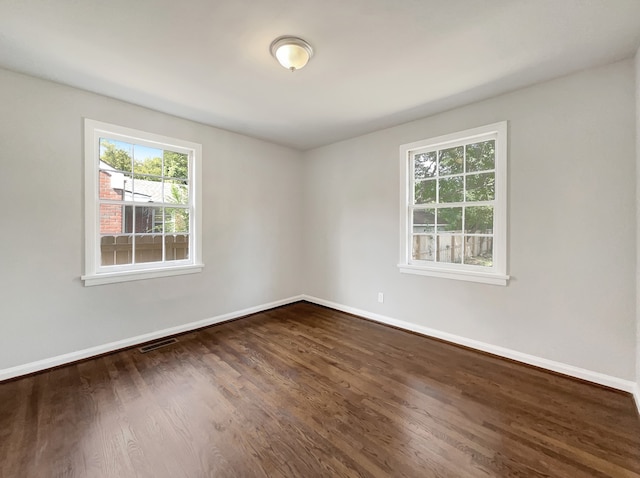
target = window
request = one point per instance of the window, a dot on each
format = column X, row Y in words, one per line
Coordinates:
column 142, row 205
column 454, row 206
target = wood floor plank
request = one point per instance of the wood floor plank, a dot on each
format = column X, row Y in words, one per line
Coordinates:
column 306, row 391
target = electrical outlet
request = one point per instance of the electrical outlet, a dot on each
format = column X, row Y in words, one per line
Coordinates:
column 380, row 297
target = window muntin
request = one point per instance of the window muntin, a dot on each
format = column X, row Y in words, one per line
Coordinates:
column 142, row 204
column 454, row 205
column 145, row 200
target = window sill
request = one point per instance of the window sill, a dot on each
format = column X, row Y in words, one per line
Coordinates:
column 471, row 276
column 126, row 276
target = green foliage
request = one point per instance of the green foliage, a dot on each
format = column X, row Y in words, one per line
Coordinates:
column 425, row 192
column 151, row 166
column 450, row 219
column 176, row 165
column 478, row 219
column 481, row 156
column 425, row 165
column 177, row 219
column 451, row 189
column 481, row 187
column 450, row 161
column 115, row 157
column 179, row 194
column 442, row 171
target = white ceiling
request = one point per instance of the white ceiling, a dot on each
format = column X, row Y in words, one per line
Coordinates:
column 378, row 63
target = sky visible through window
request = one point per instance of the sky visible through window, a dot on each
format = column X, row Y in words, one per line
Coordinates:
column 141, row 152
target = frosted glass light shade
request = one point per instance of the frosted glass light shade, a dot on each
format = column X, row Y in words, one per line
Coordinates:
column 291, row 52
column 292, row 57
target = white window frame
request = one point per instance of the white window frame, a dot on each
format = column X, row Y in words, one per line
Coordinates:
column 497, row 273
column 95, row 274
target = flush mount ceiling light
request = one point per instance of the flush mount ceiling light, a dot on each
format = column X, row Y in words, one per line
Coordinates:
column 291, row 52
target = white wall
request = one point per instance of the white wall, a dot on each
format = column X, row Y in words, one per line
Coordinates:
column 327, row 226
column 572, row 185
column 251, row 234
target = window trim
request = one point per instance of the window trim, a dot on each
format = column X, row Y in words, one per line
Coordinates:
column 497, row 274
column 94, row 273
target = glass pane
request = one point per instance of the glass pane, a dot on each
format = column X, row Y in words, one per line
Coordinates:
column 115, row 250
column 111, row 185
column 481, row 187
column 449, row 249
column 478, row 251
column 176, row 165
column 423, row 248
column 112, row 219
column 115, row 154
column 147, row 160
column 148, row 220
column 176, row 247
column 478, row 220
column 176, row 192
column 481, row 156
column 450, row 161
column 176, row 220
column 425, row 192
column 451, row 189
column 424, row 165
column 423, row 220
column 128, row 219
column 450, row 219
column 146, row 189
column 148, row 248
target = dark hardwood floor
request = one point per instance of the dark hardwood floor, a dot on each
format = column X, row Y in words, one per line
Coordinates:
column 305, row 391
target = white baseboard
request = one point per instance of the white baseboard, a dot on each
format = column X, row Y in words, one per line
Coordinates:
column 558, row 367
column 570, row 370
column 44, row 364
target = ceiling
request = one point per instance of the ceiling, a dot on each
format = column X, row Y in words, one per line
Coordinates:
column 378, row 63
